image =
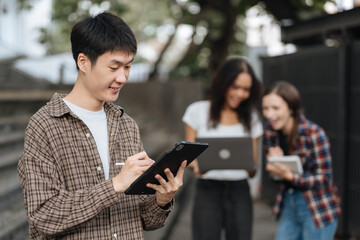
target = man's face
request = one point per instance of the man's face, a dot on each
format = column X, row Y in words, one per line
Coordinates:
column 105, row 78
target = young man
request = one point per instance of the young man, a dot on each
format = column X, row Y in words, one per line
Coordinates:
column 82, row 152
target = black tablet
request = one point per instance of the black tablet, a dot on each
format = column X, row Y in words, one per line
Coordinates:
column 171, row 159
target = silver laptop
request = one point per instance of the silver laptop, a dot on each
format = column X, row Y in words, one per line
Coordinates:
column 227, row 153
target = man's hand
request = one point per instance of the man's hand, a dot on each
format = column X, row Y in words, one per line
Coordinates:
column 165, row 192
column 134, row 166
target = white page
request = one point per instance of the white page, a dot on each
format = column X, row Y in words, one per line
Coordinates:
column 292, row 161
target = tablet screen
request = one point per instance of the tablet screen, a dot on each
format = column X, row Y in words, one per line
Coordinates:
column 171, row 159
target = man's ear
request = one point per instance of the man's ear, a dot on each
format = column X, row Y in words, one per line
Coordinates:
column 83, row 62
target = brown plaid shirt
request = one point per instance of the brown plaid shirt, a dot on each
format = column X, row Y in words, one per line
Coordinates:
column 66, row 194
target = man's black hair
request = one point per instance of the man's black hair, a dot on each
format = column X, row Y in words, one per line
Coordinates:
column 94, row 36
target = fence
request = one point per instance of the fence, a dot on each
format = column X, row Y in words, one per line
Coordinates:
column 328, row 80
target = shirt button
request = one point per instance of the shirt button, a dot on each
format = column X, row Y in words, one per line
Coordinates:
column 87, row 135
column 99, row 168
column 115, row 235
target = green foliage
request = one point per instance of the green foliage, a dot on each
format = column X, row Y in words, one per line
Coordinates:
column 24, row 4
column 221, row 20
column 65, row 14
column 224, row 40
column 296, row 10
column 145, row 17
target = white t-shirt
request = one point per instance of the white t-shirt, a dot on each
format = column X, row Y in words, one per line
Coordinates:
column 197, row 117
column 97, row 123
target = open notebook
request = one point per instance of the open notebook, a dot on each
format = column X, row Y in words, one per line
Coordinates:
column 292, row 161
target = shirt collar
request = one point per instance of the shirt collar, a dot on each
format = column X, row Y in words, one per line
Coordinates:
column 57, row 107
column 111, row 107
column 304, row 125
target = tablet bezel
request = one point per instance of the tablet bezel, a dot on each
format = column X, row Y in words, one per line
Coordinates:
column 171, row 159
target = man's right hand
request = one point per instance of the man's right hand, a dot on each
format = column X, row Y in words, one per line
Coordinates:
column 134, row 166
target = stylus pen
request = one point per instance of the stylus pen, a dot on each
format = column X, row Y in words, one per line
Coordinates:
column 119, row 163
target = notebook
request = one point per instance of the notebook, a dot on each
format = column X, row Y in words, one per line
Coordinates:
column 227, row 153
column 292, row 161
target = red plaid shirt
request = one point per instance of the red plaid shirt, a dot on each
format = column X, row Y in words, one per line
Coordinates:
column 320, row 191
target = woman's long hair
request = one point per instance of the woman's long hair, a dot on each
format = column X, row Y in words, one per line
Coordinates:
column 291, row 96
column 222, row 81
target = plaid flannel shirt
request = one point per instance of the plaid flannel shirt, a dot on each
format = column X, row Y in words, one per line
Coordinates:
column 65, row 191
column 320, row 191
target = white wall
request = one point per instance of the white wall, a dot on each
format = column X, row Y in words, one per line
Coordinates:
column 19, row 29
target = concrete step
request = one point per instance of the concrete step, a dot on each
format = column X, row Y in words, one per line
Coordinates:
column 11, row 137
column 14, row 123
column 11, row 140
column 9, row 188
column 27, row 95
column 13, row 222
column 9, row 159
column 23, row 102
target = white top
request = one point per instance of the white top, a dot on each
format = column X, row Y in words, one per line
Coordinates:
column 197, row 117
column 97, row 123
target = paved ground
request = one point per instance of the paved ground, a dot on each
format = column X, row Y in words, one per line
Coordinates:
column 264, row 225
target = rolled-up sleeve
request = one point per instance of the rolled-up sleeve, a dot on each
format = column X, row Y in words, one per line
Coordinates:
column 153, row 216
column 320, row 174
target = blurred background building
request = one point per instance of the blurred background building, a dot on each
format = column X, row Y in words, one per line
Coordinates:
column 25, row 28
